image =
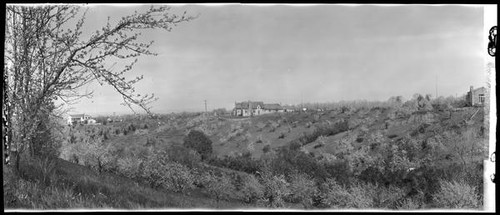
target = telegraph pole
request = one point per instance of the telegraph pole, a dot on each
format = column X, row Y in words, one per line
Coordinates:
column 206, row 114
column 436, row 86
column 205, row 107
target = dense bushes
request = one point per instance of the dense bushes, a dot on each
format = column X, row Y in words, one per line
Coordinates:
column 335, row 195
column 198, row 141
column 364, row 195
column 362, row 168
column 182, row 155
column 160, row 172
column 275, row 189
column 251, row 190
column 456, row 195
column 219, row 186
column 130, row 167
column 302, row 189
column 288, row 160
column 244, row 163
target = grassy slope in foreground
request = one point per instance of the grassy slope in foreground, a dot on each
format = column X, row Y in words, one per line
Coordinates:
column 76, row 187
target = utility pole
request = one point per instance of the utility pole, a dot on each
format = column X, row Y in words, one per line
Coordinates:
column 205, row 107
column 436, row 86
column 206, row 114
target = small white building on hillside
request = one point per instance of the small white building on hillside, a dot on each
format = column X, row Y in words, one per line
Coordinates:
column 79, row 118
column 256, row 108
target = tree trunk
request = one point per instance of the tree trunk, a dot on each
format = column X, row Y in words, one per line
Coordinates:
column 6, row 120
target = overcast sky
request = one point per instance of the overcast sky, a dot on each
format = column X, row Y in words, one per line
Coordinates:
column 292, row 54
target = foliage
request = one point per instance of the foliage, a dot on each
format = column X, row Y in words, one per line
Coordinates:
column 130, row 167
column 266, row 148
column 409, row 204
column 251, row 190
column 275, row 189
column 358, row 195
column 159, row 172
column 183, row 155
column 388, row 196
column 219, row 186
column 198, row 141
column 334, row 195
column 456, row 194
column 302, row 189
column 244, row 163
column 289, row 159
column 422, row 102
column 48, row 58
column 49, row 136
column 466, row 145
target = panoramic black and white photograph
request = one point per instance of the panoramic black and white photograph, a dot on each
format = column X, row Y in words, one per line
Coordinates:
column 249, row 107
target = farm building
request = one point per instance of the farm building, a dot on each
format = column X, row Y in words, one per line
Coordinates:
column 476, row 97
column 255, row 108
column 289, row 108
column 79, row 118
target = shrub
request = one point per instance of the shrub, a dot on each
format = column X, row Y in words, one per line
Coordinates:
column 244, row 163
column 177, row 177
column 198, row 141
column 275, row 189
column 159, row 172
column 130, row 167
column 362, row 195
column 334, row 195
column 358, row 195
column 295, row 145
column 302, row 189
column 456, row 195
column 251, row 190
column 183, row 155
column 388, row 196
column 421, row 102
column 409, row 204
column 290, row 158
column 131, row 128
column 266, row 148
column 219, row 187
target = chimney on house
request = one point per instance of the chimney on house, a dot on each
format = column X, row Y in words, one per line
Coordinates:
column 471, row 96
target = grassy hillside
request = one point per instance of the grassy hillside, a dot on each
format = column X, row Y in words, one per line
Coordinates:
column 413, row 155
column 73, row 186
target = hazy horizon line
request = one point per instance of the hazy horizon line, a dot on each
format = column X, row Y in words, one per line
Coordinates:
column 197, row 110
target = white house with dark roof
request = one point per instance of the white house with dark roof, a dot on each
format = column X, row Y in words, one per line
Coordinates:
column 78, row 118
column 251, row 108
